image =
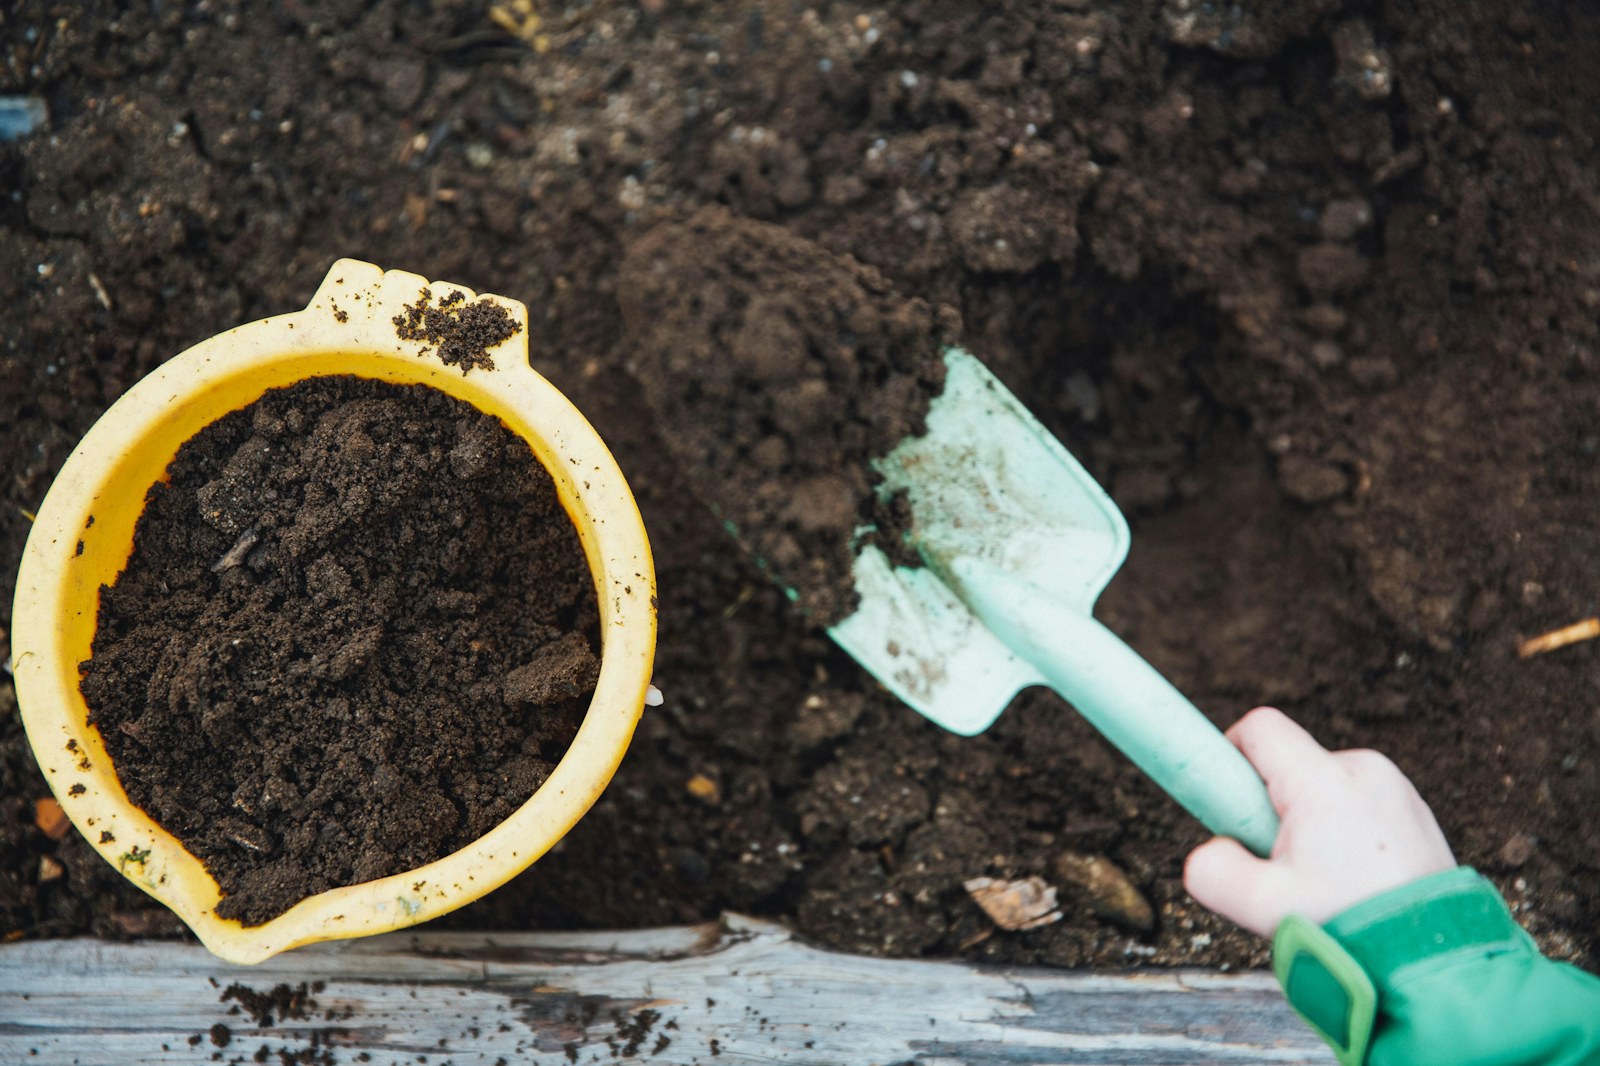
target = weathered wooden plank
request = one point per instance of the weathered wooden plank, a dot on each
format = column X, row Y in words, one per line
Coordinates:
column 733, row 993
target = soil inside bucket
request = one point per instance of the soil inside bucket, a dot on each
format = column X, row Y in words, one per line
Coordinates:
column 356, row 632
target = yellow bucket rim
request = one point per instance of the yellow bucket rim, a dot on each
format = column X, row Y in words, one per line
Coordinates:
column 83, row 535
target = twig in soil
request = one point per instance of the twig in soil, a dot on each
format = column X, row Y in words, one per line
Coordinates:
column 743, row 598
column 99, row 291
column 975, row 939
column 1576, row 633
column 235, row 555
column 250, row 837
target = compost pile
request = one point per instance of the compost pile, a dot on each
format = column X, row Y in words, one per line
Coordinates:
column 1311, row 289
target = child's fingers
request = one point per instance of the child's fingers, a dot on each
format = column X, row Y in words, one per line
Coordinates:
column 1285, row 755
column 1224, row 877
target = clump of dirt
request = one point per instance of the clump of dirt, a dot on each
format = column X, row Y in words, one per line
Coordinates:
column 463, row 330
column 356, row 632
column 280, row 1003
column 777, row 371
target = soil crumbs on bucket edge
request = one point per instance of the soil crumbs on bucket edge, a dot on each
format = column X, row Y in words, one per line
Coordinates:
column 357, row 631
column 463, row 331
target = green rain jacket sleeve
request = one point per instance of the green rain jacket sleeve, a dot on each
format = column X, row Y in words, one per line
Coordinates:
column 1438, row 972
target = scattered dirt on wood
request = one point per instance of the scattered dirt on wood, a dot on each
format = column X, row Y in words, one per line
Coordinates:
column 356, row 632
column 280, row 1003
column 1312, row 291
column 277, row 1007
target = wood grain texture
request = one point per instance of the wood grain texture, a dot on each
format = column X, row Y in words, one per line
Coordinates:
column 721, row 994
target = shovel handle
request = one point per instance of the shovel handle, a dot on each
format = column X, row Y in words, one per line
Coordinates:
column 1130, row 703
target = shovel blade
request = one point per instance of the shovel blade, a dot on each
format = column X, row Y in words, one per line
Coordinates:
column 985, row 482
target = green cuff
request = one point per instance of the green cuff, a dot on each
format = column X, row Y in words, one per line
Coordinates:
column 1326, row 986
column 1335, row 974
column 1426, row 923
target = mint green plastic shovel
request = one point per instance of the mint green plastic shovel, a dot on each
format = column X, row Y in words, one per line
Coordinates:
column 1018, row 542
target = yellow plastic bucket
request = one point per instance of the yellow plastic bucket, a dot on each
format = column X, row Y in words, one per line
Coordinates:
column 96, row 500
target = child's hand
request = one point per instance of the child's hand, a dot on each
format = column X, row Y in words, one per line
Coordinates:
column 1353, row 828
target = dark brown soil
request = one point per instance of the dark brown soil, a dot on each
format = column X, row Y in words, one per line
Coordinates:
column 1312, row 289
column 280, row 1003
column 777, row 372
column 461, row 331
column 357, row 631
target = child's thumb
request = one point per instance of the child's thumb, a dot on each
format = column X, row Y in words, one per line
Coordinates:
column 1224, row 877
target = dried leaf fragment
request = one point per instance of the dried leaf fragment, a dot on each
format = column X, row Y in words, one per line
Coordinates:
column 1013, row 905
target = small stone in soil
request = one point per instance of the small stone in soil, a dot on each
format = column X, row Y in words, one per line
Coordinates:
column 1518, row 849
column 1108, row 891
